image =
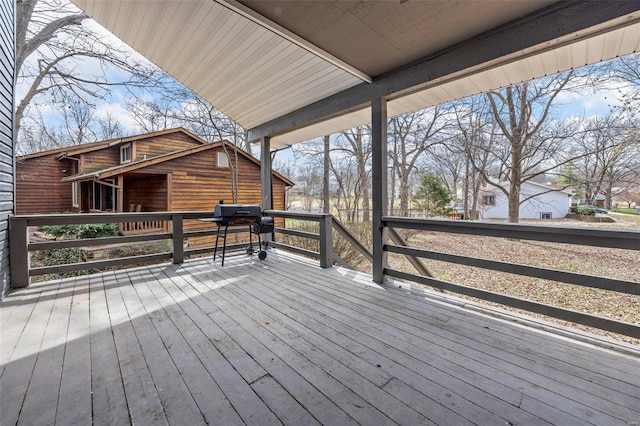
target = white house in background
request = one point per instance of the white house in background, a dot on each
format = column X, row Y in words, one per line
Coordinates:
column 543, row 202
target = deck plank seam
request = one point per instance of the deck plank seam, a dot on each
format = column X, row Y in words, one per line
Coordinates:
column 478, row 407
column 585, row 407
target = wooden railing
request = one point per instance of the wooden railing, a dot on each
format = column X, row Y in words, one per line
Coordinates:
column 326, row 255
column 629, row 240
column 142, row 227
column 21, row 247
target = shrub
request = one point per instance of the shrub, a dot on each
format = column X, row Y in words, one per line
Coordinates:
column 82, row 231
column 98, row 230
column 60, row 230
column 584, row 211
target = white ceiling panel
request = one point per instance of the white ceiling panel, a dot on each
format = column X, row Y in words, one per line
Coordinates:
column 249, row 72
column 599, row 48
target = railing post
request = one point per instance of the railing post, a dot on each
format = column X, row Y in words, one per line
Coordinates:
column 326, row 241
column 19, row 252
column 177, row 232
column 379, row 197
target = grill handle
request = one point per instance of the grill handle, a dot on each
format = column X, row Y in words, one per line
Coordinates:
column 242, row 213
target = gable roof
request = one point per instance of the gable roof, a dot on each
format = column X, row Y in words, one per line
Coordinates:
column 140, row 164
column 95, row 146
column 548, row 188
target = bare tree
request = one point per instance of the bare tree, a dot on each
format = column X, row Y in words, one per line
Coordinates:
column 475, row 137
column 346, row 176
column 448, row 163
column 532, row 143
column 412, row 135
column 358, row 148
column 77, row 118
column 110, row 127
column 607, row 158
column 55, row 48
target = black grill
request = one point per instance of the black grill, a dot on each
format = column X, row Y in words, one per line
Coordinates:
column 237, row 215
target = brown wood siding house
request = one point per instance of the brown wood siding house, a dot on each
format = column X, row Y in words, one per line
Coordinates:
column 171, row 170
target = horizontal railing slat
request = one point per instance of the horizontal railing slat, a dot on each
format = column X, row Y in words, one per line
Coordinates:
column 627, row 287
column 297, row 233
column 126, row 239
column 97, row 264
column 295, row 215
column 204, row 233
column 292, row 249
column 628, row 329
column 95, row 218
column 581, row 236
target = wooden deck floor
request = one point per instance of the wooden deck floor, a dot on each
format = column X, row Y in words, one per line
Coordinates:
column 283, row 341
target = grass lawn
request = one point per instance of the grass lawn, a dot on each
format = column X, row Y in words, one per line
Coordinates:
column 621, row 210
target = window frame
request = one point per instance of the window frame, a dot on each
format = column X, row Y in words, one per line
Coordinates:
column 489, row 200
column 225, row 163
column 75, row 194
column 124, row 149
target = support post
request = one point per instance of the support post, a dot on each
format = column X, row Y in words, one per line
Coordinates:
column 177, row 221
column 266, row 176
column 326, row 241
column 379, row 199
column 326, row 207
column 120, row 195
column 19, row 252
column 265, row 172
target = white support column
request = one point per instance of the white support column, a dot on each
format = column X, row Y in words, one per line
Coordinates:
column 379, row 199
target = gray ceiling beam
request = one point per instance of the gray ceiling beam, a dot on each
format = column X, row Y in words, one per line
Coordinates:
column 557, row 21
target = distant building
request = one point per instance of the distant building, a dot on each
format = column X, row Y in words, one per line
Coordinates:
column 538, row 202
column 170, row 170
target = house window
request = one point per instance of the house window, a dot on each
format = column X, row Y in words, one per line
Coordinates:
column 223, row 159
column 97, row 196
column 125, row 153
column 489, row 200
column 103, row 196
column 75, row 194
column 545, row 215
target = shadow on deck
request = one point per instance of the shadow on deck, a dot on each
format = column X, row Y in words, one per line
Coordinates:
column 283, row 341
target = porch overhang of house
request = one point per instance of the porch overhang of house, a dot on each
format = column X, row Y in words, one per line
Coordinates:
column 294, row 70
column 291, row 71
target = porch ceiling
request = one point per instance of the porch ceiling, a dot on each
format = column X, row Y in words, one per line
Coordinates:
column 296, row 70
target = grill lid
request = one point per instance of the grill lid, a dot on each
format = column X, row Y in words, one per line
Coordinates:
column 237, row 211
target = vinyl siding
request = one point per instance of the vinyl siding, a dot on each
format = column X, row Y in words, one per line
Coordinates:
column 7, row 72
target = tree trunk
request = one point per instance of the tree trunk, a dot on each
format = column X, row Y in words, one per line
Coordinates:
column 404, row 195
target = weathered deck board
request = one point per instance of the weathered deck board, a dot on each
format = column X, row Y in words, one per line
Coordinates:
column 75, row 384
column 455, row 356
column 380, row 334
column 283, row 341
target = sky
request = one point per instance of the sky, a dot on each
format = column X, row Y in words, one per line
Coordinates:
column 583, row 104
